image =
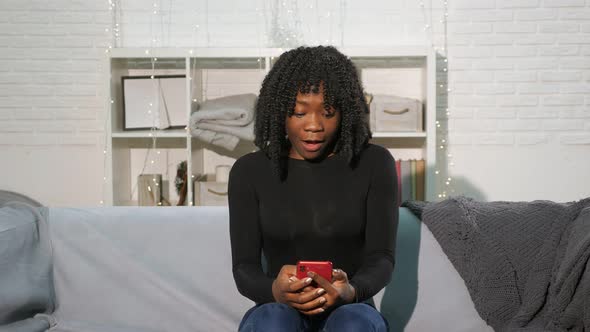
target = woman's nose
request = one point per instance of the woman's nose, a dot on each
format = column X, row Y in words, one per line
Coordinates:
column 314, row 123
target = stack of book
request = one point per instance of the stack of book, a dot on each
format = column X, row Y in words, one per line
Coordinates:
column 411, row 176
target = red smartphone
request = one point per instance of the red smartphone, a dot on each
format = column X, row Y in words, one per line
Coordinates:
column 322, row 268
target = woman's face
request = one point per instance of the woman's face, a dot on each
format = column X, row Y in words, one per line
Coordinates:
column 311, row 129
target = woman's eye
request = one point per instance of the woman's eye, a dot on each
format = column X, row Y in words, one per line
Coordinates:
column 330, row 115
column 298, row 115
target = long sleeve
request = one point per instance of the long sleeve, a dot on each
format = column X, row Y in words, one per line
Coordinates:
column 381, row 230
column 246, row 237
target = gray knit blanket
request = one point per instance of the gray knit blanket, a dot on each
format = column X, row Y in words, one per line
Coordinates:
column 525, row 264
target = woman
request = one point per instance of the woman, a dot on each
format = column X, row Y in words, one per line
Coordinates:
column 316, row 190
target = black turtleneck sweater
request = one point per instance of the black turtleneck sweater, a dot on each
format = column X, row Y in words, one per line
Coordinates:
column 322, row 211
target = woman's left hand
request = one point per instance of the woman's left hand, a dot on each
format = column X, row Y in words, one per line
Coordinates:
column 338, row 292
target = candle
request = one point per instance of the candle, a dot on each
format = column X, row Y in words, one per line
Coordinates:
column 222, row 173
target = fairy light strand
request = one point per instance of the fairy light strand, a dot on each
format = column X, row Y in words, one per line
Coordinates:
column 342, row 21
column 445, row 182
column 113, row 40
column 153, row 107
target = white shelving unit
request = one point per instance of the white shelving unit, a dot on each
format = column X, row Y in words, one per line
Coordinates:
column 215, row 72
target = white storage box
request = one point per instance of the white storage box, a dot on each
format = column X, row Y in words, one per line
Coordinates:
column 210, row 193
column 396, row 114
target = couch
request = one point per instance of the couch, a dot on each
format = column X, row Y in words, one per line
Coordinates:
column 169, row 269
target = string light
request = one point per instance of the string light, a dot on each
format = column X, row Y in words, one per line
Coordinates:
column 285, row 30
column 444, row 181
column 113, row 41
column 289, row 37
column 153, row 113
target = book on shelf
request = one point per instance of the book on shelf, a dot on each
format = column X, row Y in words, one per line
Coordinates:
column 406, row 191
column 398, row 171
column 411, row 178
column 420, row 179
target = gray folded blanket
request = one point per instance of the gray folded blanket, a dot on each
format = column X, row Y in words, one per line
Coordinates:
column 525, row 264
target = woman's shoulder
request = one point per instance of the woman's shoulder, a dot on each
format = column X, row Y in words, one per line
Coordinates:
column 251, row 161
column 376, row 153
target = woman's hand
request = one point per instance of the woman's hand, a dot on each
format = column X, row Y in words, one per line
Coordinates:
column 338, row 292
column 286, row 288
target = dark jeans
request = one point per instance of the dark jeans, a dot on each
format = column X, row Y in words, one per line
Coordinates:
column 278, row 317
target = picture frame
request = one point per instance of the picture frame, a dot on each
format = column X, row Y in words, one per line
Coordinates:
column 158, row 102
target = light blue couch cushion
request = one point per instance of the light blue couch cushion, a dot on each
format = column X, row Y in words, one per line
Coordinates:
column 144, row 269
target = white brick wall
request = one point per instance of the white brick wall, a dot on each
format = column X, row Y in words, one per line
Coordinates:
column 539, row 58
column 532, row 139
column 518, row 71
column 51, row 99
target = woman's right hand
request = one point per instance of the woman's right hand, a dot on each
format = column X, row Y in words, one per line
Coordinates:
column 286, row 288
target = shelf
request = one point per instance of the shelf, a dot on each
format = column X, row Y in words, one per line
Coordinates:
column 146, row 52
column 148, row 142
column 399, row 134
column 405, row 70
column 189, row 52
column 173, row 133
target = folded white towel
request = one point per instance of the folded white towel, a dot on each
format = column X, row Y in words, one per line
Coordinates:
column 225, row 117
column 243, row 132
column 224, row 121
column 235, row 110
column 223, row 140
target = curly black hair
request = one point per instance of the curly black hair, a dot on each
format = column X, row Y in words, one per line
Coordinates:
column 304, row 70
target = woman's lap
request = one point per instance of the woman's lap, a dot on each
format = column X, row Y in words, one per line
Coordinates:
column 281, row 317
column 271, row 317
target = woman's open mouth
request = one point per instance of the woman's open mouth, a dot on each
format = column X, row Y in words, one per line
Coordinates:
column 312, row 145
